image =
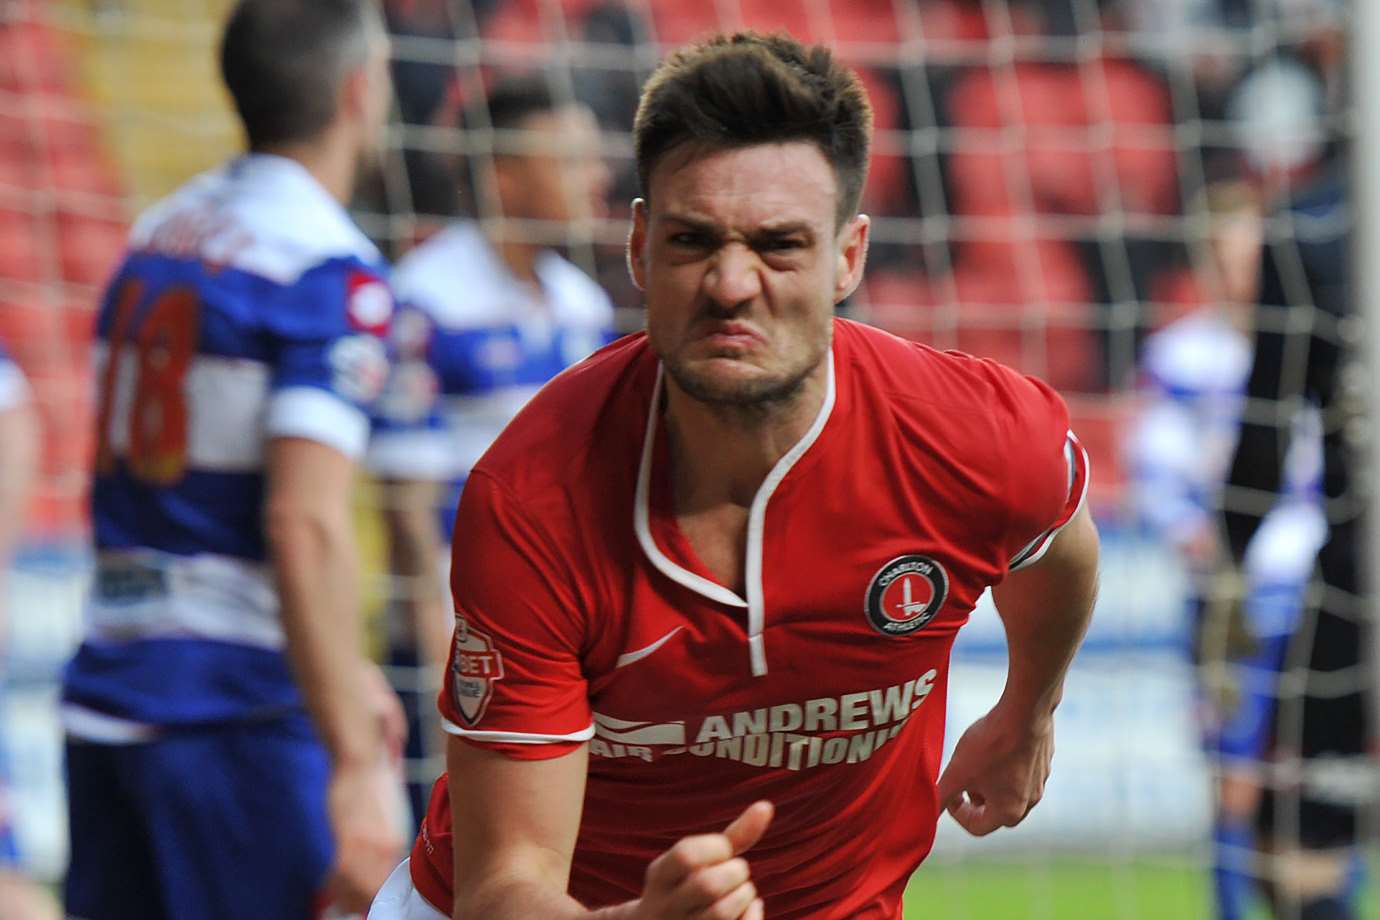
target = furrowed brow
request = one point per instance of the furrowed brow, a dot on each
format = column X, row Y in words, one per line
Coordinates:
column 784, row 230
column 692, row 223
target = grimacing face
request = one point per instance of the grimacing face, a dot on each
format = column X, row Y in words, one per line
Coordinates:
column 741, row 262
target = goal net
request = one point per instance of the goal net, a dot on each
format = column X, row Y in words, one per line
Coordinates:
column 1082, row 189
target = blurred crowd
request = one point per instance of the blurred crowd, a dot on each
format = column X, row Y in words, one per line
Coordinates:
column 1042, row 168
column 1042, row 172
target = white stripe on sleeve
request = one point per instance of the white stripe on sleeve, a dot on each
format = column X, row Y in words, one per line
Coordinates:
column 317, row 415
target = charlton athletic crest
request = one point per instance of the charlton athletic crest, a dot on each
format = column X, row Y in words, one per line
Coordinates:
column 905, row 594
column 475, row 665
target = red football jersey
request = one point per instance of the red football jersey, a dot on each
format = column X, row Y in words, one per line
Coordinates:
column 584, row 615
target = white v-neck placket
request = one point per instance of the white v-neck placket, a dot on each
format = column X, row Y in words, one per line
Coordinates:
column 757, row 516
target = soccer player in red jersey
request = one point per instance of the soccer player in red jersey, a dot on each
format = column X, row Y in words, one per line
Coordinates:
column 707, row 582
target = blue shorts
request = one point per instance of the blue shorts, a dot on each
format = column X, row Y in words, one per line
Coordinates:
column 1247, row 732
column 9, row 848
column 216, row 823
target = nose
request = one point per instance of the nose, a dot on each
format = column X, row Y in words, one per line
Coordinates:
column 599, row 177
column 597, row 181
column 734, row 276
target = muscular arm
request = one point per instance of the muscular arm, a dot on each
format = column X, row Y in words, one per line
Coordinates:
column 998, row 770
column 311, row 545
column 414, row 548
column 1046, row 609
column 18, row 467
column 516, row 826
column 312, row 548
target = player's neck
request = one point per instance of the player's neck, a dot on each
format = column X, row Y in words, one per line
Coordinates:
column 722, row 453
column 518, row 256
column 331, row 163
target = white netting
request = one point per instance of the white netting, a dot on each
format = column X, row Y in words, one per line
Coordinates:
column 1052, row 183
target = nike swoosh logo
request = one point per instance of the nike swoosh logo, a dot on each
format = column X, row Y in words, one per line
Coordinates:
column 628, row 658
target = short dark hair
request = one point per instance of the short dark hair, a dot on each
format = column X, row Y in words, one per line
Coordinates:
column 746, row 88
column 514, row 98
column 510, row 102
column 283, row 61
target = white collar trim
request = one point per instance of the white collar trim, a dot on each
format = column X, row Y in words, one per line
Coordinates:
column 755, row 603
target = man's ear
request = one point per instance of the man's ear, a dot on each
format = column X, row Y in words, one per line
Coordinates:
column 637, row 245
column 852, row 256
column 352, row 100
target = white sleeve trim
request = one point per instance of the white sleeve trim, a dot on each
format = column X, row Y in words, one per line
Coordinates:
column 413, row 455
column 317, row 415
column 1035, row 550
column 516, row 737
column 14, row 390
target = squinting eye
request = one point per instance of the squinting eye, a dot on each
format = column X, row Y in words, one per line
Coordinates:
column 691, row 240
column 784, row 245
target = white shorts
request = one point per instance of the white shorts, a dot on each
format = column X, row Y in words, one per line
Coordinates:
column 398, row 900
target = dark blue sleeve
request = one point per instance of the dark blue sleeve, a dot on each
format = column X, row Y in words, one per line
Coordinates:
column 330, row 357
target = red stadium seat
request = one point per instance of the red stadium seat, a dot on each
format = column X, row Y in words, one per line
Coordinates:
column 31, row 58
column 869, row 21
column 886, row 177
column 1023, row 141
column 903, row 303
column 28, row 321
column 90, row 247
column 1174, row 293
column 675, row 23
column 790, row 16
column 1144, row 159
column 55, row 186
column 1030, row 138
column 17, row 174
column 1026, row 303
column 1100, row 424
column 519, row 21
column 27, row 247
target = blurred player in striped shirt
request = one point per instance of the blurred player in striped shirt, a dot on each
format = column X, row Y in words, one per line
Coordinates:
column 489, row 311
column 1193, row 381
column 228, row 741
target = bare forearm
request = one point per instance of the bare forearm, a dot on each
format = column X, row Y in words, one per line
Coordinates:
column 1046, row 611
column 519, row 899
column 414, row 555
column 314, row 560
column 18, row 469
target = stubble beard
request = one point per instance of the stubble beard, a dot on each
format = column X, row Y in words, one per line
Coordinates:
column 754, row 398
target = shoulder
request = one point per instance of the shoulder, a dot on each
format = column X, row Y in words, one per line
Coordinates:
column 968, row 415
column 1305, row 262
column 197, row 192
column 293, row 235
column 453, row 278
column 264, row 216
column 582, row 427
column 917, row 380
column 577, row 298
column 1324, row 196
column 1315, row 224
column 1199, row 353
column 337, row 298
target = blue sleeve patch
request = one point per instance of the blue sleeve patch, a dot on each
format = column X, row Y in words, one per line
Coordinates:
column 330, row 329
